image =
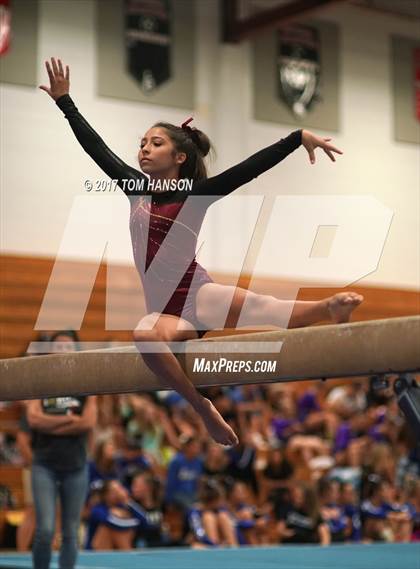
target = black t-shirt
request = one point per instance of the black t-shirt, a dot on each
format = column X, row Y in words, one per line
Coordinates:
column 217, row 472
column 59, row 452
column 305, row 528
column 151, row 533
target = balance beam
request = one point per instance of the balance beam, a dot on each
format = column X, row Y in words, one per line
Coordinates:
column 320, row 352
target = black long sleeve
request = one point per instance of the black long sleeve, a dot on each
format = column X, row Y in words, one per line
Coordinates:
column 93, row 144
column 231, row 179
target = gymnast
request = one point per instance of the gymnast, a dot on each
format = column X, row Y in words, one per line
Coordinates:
column 169, row 152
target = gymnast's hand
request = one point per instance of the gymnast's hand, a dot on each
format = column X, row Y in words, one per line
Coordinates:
column 59, row 81
column 310, row 141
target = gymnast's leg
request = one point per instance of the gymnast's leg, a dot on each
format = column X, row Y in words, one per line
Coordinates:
column 167, row 328
column 214, row 301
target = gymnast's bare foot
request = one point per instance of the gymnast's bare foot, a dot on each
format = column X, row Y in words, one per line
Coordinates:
column 341, row 305
column 217, row 427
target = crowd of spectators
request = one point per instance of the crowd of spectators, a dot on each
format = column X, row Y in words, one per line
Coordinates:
column 318, row 462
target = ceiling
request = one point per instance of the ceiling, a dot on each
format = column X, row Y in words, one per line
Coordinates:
column 408, row 8
column 405, row 8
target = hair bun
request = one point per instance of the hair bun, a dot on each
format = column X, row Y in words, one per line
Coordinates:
column 201, row 140
column 194, row 143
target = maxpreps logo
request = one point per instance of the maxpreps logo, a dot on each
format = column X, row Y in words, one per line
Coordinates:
column 202, row 365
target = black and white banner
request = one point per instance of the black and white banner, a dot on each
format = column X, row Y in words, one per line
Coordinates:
column 148, row 42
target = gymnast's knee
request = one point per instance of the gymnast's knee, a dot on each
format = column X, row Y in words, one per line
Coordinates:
column 142, row 336
column 145, row 330
column 257, row 305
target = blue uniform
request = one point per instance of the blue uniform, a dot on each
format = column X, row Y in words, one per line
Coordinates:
column 102, row 515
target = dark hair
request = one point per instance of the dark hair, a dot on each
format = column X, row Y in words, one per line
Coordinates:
column 104, row 488
column 196, row 146
column 310, row 500
column 68, row 333
column 324, row 485
column 375, row 484
column 186, row 440
column 210, row 490
column 98, row 453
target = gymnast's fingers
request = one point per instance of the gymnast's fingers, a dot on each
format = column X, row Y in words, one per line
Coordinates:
column 50, row 73
column 330, row 154
column 67, row 73
column 333, row 148
column 311, row 155
column 46, row 89
column 54, row 66
column 60, row 67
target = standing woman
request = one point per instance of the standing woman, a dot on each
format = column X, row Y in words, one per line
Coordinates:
column 59, row 428
column 163, row 245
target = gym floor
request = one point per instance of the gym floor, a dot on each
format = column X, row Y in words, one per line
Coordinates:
column 378, row 556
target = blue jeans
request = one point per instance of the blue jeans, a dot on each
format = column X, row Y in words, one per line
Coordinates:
column 71, row 487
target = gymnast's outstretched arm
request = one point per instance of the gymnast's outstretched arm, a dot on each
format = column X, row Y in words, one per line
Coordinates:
column 231, row 179
column 91, row 142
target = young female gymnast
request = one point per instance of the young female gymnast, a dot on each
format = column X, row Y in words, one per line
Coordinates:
column 169, row 152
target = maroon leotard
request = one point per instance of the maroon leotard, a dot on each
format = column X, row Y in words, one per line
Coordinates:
column 164, row 226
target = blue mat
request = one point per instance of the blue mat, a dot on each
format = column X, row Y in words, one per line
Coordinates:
column 378, row 556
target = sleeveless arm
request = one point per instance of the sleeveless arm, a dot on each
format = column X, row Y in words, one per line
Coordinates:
column 231, row 179
column 93, row 144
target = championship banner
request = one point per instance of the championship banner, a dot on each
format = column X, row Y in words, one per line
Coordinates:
column 416, row 58
column 5, row 23
column 148, row 42
column 298, row 67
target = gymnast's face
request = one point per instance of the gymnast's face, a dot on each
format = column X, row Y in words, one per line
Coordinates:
column 157, row 154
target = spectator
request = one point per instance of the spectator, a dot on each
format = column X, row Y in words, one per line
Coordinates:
column 59, row 428
column 275, row 477
column 408, row 462
column 184, row 473
column 284, row 422
column 378, row 462
column 414, row 501
column 250, row 523
column 210, row 522
column 153, row 424
column 26, row 530
column 113, row 522
column 332, row 511
column 350, row 503
column 130, row 460
column 299, row 520
column 145, row 493
column 103, row 466
column 383, row 518
column 242, row 465
column 216, row 461
column 401, row 515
